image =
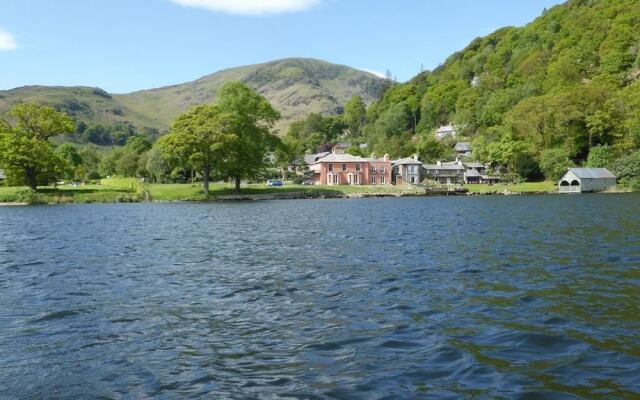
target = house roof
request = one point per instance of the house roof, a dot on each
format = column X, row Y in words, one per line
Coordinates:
column 337, row 158
column 406, row 161
column 446, row 128
column 463, row 146
column 344, row 158
column 312, row 158
column 592, row 173
column 472, row 173
column 474, row 164
column 445, row 167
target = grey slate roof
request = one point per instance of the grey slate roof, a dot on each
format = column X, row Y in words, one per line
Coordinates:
column 341, row 158
column 445, row 129
column 345, row 158
column 592, row 173
column 445, row 167
column 406, row 161
column 472, row 173
column 312, row 158
column 474, row 164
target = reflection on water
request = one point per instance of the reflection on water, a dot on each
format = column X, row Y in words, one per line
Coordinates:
column 519, row 297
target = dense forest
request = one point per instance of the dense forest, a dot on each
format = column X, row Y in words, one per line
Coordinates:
column 563, row 90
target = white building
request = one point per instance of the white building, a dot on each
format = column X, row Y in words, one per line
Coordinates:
column 582, row 180
column 446, row 131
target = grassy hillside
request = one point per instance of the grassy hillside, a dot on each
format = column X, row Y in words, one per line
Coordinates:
column 567, row 81
column 294, row 86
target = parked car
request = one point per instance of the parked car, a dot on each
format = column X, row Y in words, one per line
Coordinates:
column 274, row 182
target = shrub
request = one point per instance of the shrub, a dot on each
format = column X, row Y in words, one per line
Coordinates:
column 554, row 163
column 29, row 196
column 628, row 170
column 599, row 157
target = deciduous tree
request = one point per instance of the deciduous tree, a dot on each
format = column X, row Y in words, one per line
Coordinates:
column 24, row 144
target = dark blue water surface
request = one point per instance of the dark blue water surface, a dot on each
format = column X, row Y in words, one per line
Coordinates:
column 485, row 297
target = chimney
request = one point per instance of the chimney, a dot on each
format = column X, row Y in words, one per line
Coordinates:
column 373, row 156
column 415, row 157
column 439, row 163
column 386, row 157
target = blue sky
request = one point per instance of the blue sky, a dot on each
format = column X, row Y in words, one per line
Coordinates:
column 127, row 45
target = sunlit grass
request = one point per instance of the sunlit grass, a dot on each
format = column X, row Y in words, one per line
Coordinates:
column 525, row 187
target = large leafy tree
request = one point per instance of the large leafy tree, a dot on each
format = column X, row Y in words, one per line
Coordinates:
column 247, row 119
column 69, row 153
column 195, row 141
column 25, row 150
column 355, row 113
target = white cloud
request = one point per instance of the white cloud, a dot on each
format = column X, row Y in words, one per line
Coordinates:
column 250, row 7
column 7, row 41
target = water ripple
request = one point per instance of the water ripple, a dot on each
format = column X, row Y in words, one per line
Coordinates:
column 493, row 297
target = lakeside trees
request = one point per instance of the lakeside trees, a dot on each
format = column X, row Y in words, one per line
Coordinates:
column 25, row 151
column 195, row 142
column 230, row 138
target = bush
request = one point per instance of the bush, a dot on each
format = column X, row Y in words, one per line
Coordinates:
column 554, row 163
column 29, row 196
column 93, row 175
column 599, row 157
column 628, row 170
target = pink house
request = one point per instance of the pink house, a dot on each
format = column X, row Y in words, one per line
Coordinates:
column 345, row 169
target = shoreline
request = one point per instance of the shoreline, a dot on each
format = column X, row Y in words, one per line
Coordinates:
column 285, row 196
column 148, row 196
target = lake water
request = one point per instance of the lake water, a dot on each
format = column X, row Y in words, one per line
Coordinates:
column 483, row 297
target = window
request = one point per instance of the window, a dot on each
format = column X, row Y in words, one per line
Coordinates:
column 336, row 179
column 412, row 169
column 330, row 167
column 373, row 169
column 358, row 167
column 382, row 169
column 344, row 167
column 382, row 179
column 355, row 179
column 373, row 180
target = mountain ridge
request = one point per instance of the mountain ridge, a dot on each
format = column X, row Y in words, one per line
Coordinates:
column 295, row 86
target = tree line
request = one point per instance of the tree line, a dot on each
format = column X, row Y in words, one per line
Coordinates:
column 227, row 140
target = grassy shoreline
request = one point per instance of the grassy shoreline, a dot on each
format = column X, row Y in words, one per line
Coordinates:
column 128, row 190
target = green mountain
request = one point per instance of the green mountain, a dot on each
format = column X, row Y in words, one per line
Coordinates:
column 567, row 81
column 295, row 87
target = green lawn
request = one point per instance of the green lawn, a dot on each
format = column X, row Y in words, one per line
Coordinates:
column 194, row 192
column 108, row 191
column 114, row 190
column 525, row 187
